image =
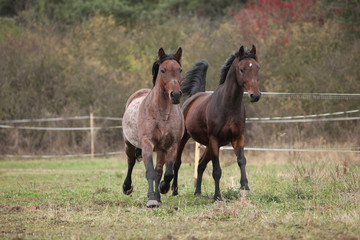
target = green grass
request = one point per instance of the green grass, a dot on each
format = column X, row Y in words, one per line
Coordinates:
column 82, row 199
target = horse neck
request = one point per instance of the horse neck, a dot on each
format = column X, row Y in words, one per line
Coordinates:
column 231, row 92
column 160, row 101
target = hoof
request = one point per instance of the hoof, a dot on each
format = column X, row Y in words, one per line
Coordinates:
column 246, row 187
column 126, row 190
column 197, row 194
column 174, row 190
column 163, row 189
column 244, row 193
column 175, row 193
column 218, row 198
column 153, row 204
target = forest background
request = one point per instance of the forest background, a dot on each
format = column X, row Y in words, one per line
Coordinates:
column 65, row 57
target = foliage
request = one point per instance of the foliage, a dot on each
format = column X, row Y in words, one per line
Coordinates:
column 263, row 20
column 126, row 12
column 301, row 51
column 61, row 58
column 347, row 12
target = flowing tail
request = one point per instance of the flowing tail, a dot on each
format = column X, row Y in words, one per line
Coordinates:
column 195, row 79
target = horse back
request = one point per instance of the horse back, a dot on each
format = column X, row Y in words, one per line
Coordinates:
column 196, row 99
column 137, row 94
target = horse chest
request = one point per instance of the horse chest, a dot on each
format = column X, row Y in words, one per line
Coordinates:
column 226, row 128
column 162, row 139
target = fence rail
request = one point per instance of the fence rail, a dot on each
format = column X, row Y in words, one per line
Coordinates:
column 345, row 96
column 62, row 156
column 286, row 119
column 60, row 119
column 305, row 116
column 320, row 117
column 314, row 150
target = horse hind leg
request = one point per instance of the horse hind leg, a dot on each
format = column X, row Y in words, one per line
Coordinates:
column 130, row 151
column 138, row 154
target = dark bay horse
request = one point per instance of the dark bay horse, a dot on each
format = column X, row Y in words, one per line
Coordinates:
column 217, row 119
column 153, row 122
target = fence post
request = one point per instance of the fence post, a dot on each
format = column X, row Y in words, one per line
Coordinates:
column 92, row 138
column 197, row 156
column 16, row 140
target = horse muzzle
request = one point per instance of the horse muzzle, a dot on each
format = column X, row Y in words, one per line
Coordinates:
column 175, row 97
column 254, row 97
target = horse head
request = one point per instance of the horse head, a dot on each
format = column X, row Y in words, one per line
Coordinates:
column 167, row 74
column 247, row 70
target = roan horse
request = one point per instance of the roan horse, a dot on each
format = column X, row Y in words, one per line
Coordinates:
column 218, row 119
column 153, row 122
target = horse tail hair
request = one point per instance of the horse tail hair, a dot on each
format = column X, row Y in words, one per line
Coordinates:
column 195, row 79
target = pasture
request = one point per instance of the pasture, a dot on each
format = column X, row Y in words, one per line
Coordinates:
column 293, row 196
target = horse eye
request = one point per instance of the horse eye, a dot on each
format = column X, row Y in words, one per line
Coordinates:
column 242, row 70
column 162, row 70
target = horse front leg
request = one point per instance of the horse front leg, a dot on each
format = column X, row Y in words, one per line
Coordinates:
column 238, row 145
column 242, row 164
column 160, row 186
column 168, row 176
column 174, row 186
column 169, row 172
column 150, row 173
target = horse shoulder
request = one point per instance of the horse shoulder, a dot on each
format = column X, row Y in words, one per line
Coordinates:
column 196, row 106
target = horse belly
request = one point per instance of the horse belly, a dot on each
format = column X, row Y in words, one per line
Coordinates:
column 196, row 127
column 130, row 122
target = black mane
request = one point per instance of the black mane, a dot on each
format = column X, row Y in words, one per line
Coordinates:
column 155, row 68
column 227, row 64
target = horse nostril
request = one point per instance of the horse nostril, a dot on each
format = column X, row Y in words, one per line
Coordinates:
column 175, row 97
column 254, row 97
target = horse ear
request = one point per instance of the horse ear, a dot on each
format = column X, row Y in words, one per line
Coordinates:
column 161, row 54
column 253, row 50
column 178, row 54
column 241, row 52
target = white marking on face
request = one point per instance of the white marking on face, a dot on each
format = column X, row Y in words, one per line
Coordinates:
column 250, row 64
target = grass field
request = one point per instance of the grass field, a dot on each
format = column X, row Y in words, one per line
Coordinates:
column 292, row 197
